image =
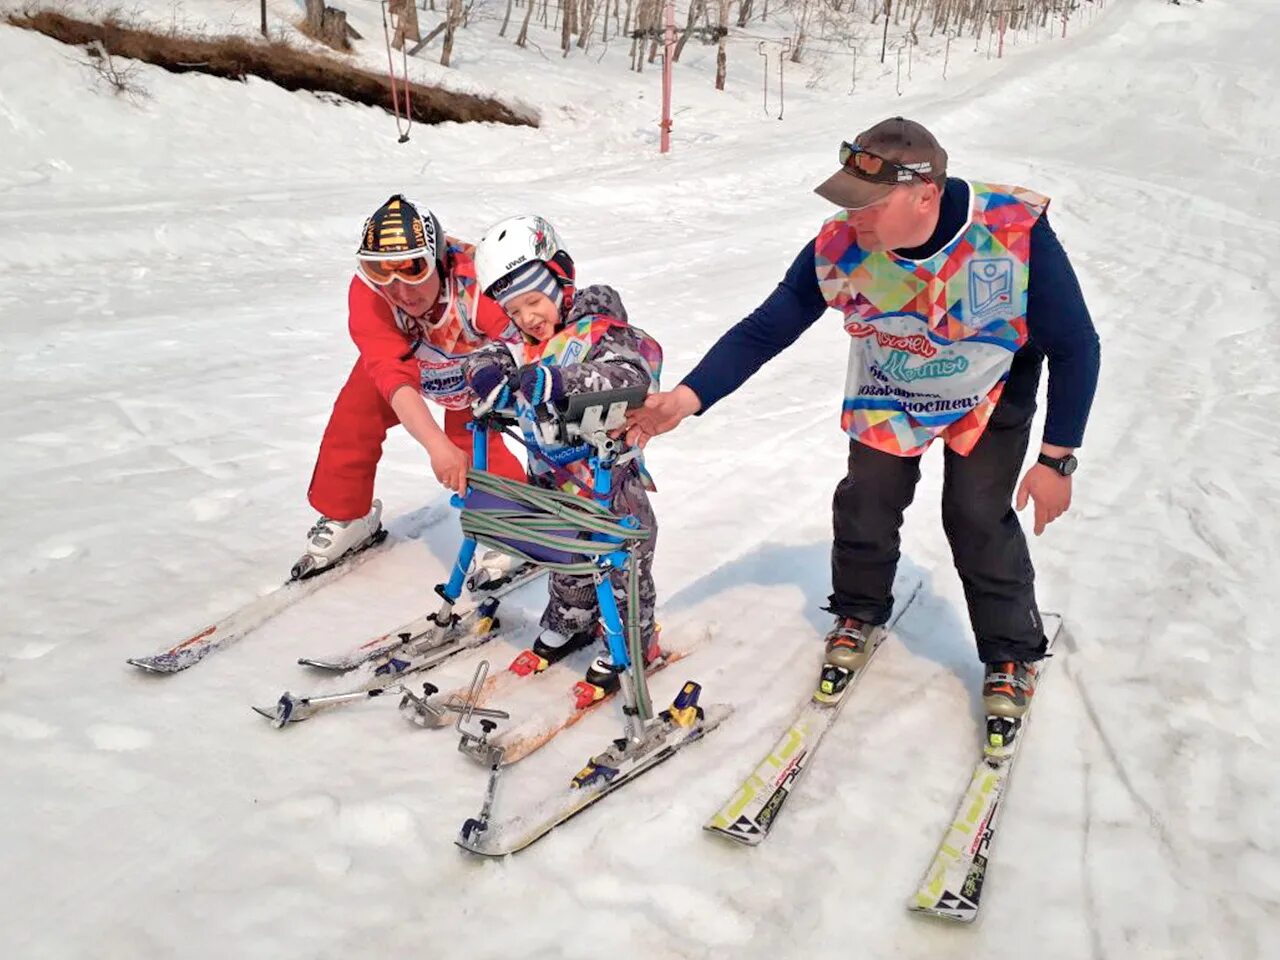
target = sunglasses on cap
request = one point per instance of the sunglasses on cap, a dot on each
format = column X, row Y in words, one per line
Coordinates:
column 866, row 165
column 413, row 271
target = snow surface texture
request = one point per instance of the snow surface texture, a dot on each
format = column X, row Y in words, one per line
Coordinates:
column 172, row 294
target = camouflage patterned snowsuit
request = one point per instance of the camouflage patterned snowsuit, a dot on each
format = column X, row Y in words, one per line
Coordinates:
column 618, row 355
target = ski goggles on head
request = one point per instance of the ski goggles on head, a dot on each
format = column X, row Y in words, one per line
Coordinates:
column 874, row 168
column 412, row 270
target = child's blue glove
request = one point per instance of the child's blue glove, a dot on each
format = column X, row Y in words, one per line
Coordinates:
column 487, row 378
column 542, row 384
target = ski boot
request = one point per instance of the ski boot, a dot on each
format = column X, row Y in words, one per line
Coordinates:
column 330, row 541
column 1007, row 690
column 496, row 569
column 549, row 647
column 849, row 645
column 602, row 676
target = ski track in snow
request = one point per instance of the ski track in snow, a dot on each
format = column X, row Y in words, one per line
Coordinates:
column 163, row 388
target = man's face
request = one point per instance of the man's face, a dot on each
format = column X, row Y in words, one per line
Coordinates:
column 415, row 299
column 904, row 218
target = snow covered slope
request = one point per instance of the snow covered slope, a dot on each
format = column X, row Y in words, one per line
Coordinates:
column 172, row 333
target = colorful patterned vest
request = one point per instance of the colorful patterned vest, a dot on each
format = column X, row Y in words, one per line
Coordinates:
column 441, row 349
column 933, row 339
column 572, row 345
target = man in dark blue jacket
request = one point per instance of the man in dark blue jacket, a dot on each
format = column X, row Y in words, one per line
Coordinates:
column 953, row 292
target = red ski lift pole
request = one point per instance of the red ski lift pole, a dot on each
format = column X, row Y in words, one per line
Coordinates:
column 668, row 47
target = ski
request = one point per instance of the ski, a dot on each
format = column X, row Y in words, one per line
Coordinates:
column 952, row 886
column 413, row 632
column 668, row 733
column 749, row 815
column 254, row 614
column 535, row 732
column 468, row 631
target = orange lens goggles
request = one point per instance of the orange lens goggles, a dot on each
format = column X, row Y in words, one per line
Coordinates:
column 414, row 271
column 875, row 168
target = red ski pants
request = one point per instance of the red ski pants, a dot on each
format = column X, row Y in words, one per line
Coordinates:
column 342, row 482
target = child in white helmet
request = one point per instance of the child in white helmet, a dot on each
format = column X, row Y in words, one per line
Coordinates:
column 574, row 342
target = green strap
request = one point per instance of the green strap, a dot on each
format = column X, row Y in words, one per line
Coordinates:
column 547, row 514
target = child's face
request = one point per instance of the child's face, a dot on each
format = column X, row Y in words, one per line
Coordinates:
column 535, row 314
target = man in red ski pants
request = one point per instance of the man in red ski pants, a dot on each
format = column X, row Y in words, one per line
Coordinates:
column 415, row 312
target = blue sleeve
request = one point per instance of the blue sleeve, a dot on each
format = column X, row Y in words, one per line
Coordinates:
column 769, row 329
column 1058, row 323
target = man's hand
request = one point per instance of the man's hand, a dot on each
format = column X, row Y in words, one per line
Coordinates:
column 661, row 413
column 1050, row 490
column 449, row 464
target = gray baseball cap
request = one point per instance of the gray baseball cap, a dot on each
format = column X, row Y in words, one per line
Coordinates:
column 893, row 152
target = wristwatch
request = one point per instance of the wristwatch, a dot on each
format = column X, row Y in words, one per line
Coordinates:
column 1063, row 465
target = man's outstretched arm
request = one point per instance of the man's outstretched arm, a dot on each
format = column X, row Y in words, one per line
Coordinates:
column 793, row 306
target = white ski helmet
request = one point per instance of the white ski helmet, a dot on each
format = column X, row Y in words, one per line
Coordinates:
column 509, row 244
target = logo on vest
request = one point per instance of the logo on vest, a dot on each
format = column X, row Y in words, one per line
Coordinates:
column 990, row 287
column 442, row 378
column 916, row 344
column 895, row 368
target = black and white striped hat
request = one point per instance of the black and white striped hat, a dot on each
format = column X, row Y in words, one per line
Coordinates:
column 533, row 275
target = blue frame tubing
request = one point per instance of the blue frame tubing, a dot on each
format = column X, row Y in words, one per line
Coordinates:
column 614, row 631
column 602, row 489
column 452, row 590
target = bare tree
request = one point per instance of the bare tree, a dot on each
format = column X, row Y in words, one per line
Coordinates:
column 801, row 12
column 822, row 22
column 884, row 43
column 645, row 25
column 722, row 57
column 659, row 17
column 694, row 6
column 915, row 22
column 523, row 38
column 453, row 17
column 566, row 25
column 587, row 20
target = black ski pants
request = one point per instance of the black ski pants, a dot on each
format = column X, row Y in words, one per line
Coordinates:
column 987, row 542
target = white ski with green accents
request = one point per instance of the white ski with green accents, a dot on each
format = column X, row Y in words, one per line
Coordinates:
column 750, row 813
column 952, row 886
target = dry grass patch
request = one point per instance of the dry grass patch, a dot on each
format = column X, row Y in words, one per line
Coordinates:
column 236, row 57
